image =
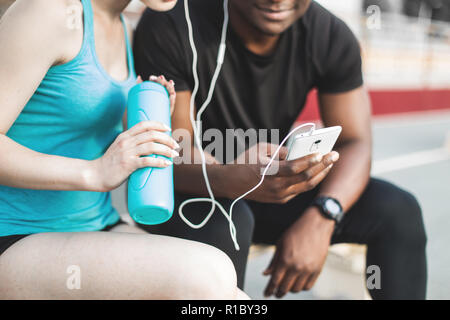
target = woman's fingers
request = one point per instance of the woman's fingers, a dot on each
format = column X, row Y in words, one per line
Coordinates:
column 163, row 81
column 144, row 126
column 172, row 96
column 153, row 162
column 155, row 79
column 156, row 136
column 151, row 148
column 169, row 85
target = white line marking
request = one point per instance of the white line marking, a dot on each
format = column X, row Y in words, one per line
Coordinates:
column 410, row 160
column 411, row 119
column 414, row 159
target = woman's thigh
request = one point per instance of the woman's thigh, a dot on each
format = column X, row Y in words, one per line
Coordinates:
column 127, row 228
column 114, row 265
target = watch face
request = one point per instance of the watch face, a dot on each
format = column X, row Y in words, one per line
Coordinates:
column 332, row 207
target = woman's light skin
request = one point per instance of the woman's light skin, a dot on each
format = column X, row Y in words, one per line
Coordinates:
column 115, row 7
column 144, row 266
column 160, row 5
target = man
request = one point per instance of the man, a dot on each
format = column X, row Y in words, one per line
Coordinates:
column 277, row 51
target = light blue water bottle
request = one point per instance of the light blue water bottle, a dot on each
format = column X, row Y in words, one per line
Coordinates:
column 150, row 190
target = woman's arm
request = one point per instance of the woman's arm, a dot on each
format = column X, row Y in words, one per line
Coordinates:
column 38, row 34
column 33, row 37
column 21, row 167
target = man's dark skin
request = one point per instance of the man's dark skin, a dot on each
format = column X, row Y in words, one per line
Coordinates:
column 302, row 250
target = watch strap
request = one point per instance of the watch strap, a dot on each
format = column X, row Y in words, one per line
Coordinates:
column 320, row 203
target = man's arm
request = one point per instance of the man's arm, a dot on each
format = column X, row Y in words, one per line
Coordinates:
column 303, row 248
column 232, row 180
column 187, row 173
column 350, row 176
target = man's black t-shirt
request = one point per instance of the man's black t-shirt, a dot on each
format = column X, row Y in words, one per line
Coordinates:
column 261, row 92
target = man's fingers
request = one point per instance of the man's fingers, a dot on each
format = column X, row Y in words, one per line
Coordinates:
column 275, row 280
column 310, row 173
column 283, row 153
column 292, row 186
column 311, row 281
column 307, row 185
column 300, row 283
column 286, row 284
column 265, row 152
column 328, row 160
column 295, row 167
column 313, row 182
column 270, row 150
column 307, row 167
column 331, row 158
column 272, row 264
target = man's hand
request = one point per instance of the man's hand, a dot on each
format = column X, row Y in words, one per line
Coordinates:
column 300, row 254
column 292, row 177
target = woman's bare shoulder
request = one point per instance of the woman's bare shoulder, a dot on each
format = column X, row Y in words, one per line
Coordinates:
column 55, row 23
column 56, row 10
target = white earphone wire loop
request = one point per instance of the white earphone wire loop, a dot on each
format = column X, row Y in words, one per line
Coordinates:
column 196, row 122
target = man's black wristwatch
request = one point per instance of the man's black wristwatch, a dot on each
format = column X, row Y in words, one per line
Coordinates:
column 330, row 208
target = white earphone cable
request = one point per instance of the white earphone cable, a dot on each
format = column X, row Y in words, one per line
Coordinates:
column 196, row 127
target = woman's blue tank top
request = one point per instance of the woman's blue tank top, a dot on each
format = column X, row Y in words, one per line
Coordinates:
column 76, row 112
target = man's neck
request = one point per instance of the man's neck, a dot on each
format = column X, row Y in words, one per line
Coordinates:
column 112, row 8
column 253, row 39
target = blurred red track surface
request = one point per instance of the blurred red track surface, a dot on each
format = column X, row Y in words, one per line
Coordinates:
column 386, row 102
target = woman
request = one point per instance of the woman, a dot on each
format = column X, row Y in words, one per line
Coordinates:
column 65, row 70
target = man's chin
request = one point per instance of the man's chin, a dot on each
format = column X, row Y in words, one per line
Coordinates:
column 273, row 30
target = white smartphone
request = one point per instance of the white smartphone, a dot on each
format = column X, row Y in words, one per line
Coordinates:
column 319, row 141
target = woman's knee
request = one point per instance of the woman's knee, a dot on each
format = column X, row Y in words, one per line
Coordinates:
column 142, row 266
column 177, row 269
column 222, row 276
column 215, row 279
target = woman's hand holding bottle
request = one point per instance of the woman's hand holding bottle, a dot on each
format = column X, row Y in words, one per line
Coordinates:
column 128, row 152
